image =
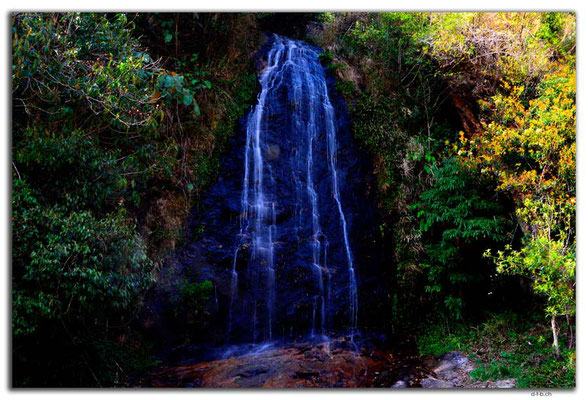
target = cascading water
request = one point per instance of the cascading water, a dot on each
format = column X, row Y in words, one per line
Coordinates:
column 292, row 66
column 280, row 222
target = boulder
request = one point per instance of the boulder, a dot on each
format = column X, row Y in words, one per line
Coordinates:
column 503, row 384
column 433, row 383
column 400, row 385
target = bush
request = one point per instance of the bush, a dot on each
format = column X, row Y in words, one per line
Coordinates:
column 457, row 217
column 71, row 266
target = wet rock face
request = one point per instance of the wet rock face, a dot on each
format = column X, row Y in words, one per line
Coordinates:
column 272, row 152
column 320, row 364
column 277, row 275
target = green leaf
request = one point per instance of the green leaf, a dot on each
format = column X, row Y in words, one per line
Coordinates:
column 188, row 98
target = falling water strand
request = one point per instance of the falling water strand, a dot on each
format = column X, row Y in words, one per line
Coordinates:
column 332, row 157
column 233, row 293
column 310, row 188
column 327, row 297
column 253, row 202
column 262, row 234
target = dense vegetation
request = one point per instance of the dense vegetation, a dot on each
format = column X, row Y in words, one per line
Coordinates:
column 120, row 120
column 113, row 141
column 467, row 208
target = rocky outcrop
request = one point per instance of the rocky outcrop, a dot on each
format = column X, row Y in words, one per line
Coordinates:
column 336, row 363
column 339, row 362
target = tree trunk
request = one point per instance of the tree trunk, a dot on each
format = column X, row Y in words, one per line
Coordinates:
column 555, row 340
column 571, row 341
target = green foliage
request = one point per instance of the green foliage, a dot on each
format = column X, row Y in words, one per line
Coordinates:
column 103, row 135
column 80, row 61
column 190, row 301
column 436, row 341
column 87, row 74
column 195, row 295
column 71, row 264
column 377, row 127
column 553, row 30
column 183, row 88
column 456, row 203
column 346, row 88
column 206, row 166
column 173, row 87
column 551, row 267
column 81, row 173
column 455, row 215
column 325, row 17
column 396, row 113
column 112, row 361
column 326, row 57
column 391, row 37
column 168, row 33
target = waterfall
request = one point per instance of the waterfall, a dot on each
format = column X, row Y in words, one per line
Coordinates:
column 293, row 116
